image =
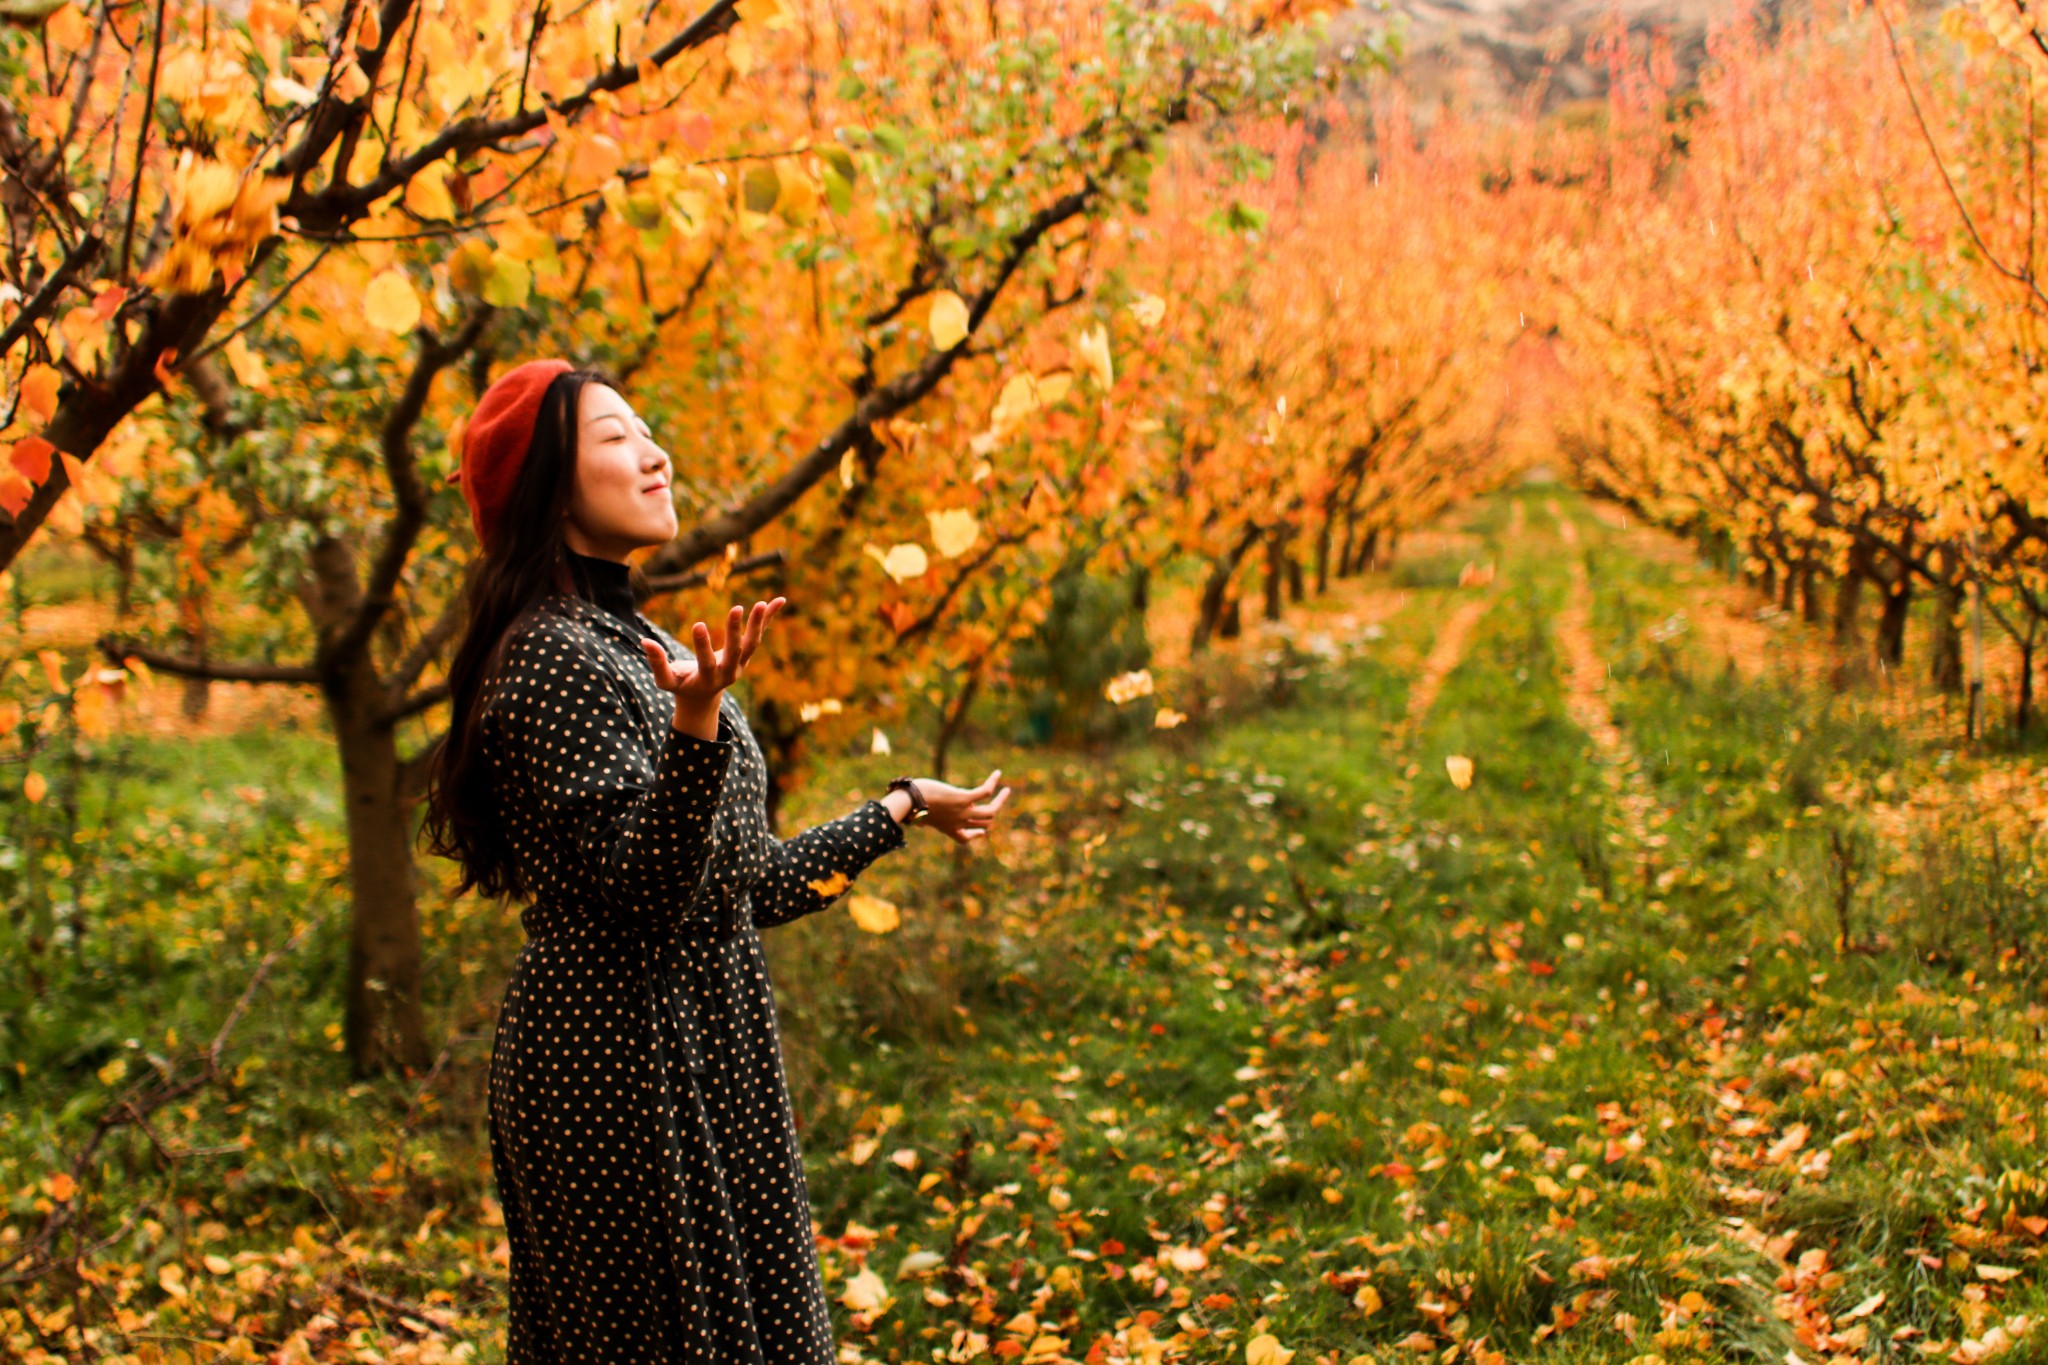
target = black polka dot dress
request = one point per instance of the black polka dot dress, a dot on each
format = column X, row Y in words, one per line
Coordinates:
column 643, row 1141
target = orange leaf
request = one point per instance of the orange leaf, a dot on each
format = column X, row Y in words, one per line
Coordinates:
column 164, row 374
column 39, row 391
column 31, row 456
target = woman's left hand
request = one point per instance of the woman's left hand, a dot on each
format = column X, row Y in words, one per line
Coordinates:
column 964, row 813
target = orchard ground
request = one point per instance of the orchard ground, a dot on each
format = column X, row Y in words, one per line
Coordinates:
column 1704, row 1024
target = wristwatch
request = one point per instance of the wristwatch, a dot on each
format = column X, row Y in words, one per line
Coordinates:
column 918, row 809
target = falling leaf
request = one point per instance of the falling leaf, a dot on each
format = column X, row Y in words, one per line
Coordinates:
column 811, row 710
column 900, row 562
column 947, row 320
column 390, row 303
column 831, row 886
column 954, row 531
column 1168, row 718
column 880, row 743
column 1091, row 353
column 862, row 1149
column 1148, row 309
column 865, row 1292
column 873, row 914
column 34, row 787
column 1128, row 686
column 1460, row 769
column 847, row 463
column 1265, row 1349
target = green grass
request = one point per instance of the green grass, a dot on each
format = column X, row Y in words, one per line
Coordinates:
column 1261, row 1026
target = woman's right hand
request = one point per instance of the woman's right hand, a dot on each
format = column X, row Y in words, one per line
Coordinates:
column 698, row 683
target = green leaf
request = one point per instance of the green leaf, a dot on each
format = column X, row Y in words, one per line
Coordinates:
column 760, row 188
column 890, row 139
column 841, row 160
column 838, row 191
column 507, row 284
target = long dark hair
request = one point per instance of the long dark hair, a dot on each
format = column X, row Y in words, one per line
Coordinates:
column 502, row 585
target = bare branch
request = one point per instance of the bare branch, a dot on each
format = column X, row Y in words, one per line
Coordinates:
column 116, row 648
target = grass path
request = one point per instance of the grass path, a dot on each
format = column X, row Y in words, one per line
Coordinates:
column 1265, row 1038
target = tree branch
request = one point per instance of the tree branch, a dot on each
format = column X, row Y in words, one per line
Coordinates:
column 116, row 648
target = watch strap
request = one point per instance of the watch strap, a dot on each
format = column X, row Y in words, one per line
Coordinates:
column 919, row 808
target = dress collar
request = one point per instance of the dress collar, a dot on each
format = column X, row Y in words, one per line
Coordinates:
column 605, row 582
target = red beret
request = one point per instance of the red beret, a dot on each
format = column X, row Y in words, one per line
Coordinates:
column 495, row 439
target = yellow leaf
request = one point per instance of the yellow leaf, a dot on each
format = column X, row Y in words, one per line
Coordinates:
column 880, row 743
column 1128, row 686
column 1998, row 1273
column 1460, row 769
column 769, row 14
column 282, row 89
column 390, row 303
column 1091, row 353
column 113, row 1071
column 873, row 914
column 1265, row 1349
column 865, row 1292
column 1018, row 400
column 831, row 886
column 901, row 562
column 1168, row 718
column 954, row 531
column 34, row 787
column 247, row 363
column 947, row 320
column 862, row 1149
column 1148, row 309
column 594, row 160
column 427, row 194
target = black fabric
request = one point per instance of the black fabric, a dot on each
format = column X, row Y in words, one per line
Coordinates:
column 606, row 582
column 642, row 1138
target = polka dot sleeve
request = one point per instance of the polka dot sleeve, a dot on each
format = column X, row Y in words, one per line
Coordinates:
column 844, row 846
column 631, row 824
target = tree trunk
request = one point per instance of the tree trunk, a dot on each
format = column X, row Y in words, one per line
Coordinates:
column 1297, row 589
column 1809, row 595
column 1945, row 666
column 1276, row 540
column 1216, row 593
column 1323, row 556
column 1891, row 619
column 2023, row 708
column 384, row 1025
column 1232, row 625
column 1848, row 601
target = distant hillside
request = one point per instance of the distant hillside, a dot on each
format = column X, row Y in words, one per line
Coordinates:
column 1497, row 50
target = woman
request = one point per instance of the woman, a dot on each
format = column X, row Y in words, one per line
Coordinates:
column 642, row 1138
